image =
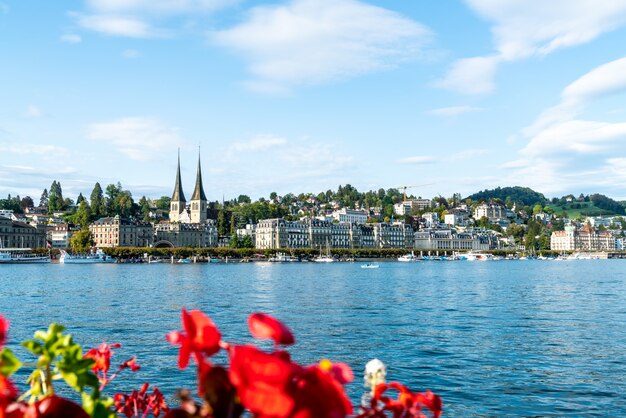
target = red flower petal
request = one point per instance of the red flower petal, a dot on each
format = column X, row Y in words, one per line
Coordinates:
column 202, row 332
column 267, row 327
column 342, row 373
column 4, row 328
column 57, row 407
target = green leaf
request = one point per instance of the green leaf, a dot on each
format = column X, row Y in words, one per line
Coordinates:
column 33, row 346
column 9, row 364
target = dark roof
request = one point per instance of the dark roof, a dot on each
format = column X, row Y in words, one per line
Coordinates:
column 198, row 192
column 178, row 195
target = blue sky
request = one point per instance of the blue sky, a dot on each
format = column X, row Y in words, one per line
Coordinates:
column 304, row 95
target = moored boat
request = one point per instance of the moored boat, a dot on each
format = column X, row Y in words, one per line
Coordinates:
column 21, row 256
column 408, row 257
column 94, row 257
column 369, row 266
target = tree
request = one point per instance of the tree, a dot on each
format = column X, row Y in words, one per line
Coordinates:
column 81, row 239
column 26, row 202
column 273, row 196
column 82, row 215
column 244, row 199
column 234, row 241
column 246, row 242
column 55, row 198
column 80, row 198
column 98, row 206
column 163, row 203
column 537, row 209
column 43, row 200
column 144, row 207
column 222, row 225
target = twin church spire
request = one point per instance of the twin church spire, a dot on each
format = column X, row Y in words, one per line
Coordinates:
column 198, row 205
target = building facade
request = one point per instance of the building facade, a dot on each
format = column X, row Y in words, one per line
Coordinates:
column 583, row 239
column 350, row 216
column 14, row 234
column 450, row 239
column 187, row 235
column 119, row 232
column 490, row 211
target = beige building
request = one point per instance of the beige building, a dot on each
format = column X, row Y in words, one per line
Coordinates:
column 118, row 232
column 583, row 239
column 14, row 234
column 408, row 206
column 59, row 235
column 187, row 235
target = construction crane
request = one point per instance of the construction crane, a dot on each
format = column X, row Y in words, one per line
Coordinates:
column 404, row 188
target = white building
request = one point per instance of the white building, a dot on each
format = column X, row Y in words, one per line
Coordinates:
column 490, row 211
column 450, row 239
column 6, row 213
column 456, row 217
column 408, row 206
column 350, row 216
column 431, row 219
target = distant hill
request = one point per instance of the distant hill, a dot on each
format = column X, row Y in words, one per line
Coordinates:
column 519, row 195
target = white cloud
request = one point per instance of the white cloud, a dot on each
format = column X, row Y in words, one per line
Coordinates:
column 138, row 138
column 158, row 6
column 33, row 112
column 131, row 54
column 453, row 110
column 418, row 159
column 471, row 75
column 566, row 151
column 522, row 30
column 258, row 143
column 316, row 41
column 468, row 154
column 113, row 25
column 51, row 151
column 141, row 18
column 71, row 38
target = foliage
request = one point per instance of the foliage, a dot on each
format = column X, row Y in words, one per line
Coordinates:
column 11, row 203
column 81, row 240
column 519, row 195
column 264, row 384
column 606, row 203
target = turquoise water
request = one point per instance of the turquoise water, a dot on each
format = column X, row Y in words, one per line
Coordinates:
column 502, row 338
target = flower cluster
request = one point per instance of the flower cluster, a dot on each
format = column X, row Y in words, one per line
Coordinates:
column 261, row 384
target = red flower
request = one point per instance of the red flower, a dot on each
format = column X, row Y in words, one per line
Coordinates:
column 270, row 386
column 132, row 363
column 267, row 327
column 200, row 336
column 139, row 403
column 102, row 357
column 262, row 381
column 50, row 407
column 407, row 404
column 4, row 328
column 7, row 393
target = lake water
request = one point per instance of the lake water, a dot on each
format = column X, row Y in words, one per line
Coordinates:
column 501, row 338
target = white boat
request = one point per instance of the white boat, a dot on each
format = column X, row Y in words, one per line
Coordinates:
column 477, row 256
column 325, row 258
column 408, row 257
column 283, row 258
column 94, row 257
column 21, row 256
column 369, row 266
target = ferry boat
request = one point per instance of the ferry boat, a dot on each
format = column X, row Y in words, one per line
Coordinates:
column 94, row 257
column 408, row 257
column 21, row 256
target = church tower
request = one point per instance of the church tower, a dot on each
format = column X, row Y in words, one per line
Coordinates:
column 178, row 203
column 198, row 200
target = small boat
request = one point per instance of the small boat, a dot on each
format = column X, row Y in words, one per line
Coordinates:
column 94, row 257
column 478, row 256
column 21, row 256
column 326, row 257
column 369, row 266
column 283, row 258
column 408, row 257
column 185, row 261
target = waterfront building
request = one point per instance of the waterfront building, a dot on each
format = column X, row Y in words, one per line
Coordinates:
column 491, row 211
column 188, row 225
column 583, row 239
column 185, row 234
column 450, row 239
column 320, row 234
column 119, row 232
column 6, row 213
column 14, row 234
column 350, row 216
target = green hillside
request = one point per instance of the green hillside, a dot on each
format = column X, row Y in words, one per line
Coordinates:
column 520, row 195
